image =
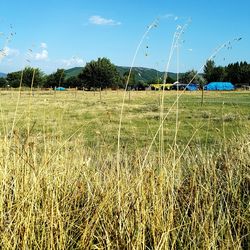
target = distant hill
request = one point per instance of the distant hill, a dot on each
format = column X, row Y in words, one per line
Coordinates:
column 141, row 73
column 73, row 71
column 145, row 74
column 3, row 74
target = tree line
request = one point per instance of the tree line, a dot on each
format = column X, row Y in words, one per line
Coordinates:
column 237, row 73
column 102, row 74
column 96, row 74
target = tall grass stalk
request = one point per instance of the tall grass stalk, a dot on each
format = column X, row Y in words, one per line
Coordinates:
column 213, row 55
column 72, row 201
column 177, row 98
column 11, row 132
column 174, row 46
column 30, row 101
column 161, row 135
column 152, row 25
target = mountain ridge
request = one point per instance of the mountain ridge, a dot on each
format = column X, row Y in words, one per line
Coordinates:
column 141, row 73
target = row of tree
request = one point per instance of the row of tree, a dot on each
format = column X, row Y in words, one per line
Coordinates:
column 96, row 74
column 33, row 77
column 237, row 73
column 102, row 74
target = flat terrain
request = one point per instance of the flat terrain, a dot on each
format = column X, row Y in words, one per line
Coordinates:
column 95, row 116
column 63, row 184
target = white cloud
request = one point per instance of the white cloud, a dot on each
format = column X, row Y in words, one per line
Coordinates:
column 12, row 52
column 43, row 45
column 98, row 20
column 73, row 62
column 6, row 51
column 42, row 56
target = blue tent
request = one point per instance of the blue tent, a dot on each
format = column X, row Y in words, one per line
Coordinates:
column 60, row 89
column 192, row 87
column 219, row 86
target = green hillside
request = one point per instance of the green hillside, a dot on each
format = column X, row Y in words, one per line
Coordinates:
column 145, row 74
column 73, row 71
column 141, row 73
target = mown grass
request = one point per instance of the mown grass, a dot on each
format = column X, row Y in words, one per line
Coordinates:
column 64, row 113
column 59, row 183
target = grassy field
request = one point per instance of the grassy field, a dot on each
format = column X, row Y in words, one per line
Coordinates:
column 96, row 118
column 62, row 188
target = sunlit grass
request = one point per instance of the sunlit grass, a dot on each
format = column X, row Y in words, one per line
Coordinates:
column 58, row 179
column 63, row 113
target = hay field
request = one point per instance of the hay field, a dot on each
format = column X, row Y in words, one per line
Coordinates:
column 59, row 181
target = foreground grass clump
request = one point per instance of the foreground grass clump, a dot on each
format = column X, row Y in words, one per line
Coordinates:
column 68, row 196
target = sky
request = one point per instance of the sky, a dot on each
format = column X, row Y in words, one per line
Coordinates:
column 52, row 34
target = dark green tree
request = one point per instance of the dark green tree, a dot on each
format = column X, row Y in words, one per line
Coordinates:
column 192, row 76
column 244, row 72
column 213, row 73
column 209, row 71
column 132, row 79
column 3, row 82
column 55, row 79
column 99, row 74
column 233, row 72
column 30, row 76
column 219, row 74
column 170, row 80
column 141, row 85
column 14, row 79
column 72, row 82
column 160, row 79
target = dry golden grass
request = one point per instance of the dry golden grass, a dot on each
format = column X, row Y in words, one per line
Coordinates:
column 60, row 192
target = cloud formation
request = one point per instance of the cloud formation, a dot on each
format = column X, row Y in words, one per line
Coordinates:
column 98, row 20
column 73, row 62
column 42, row 55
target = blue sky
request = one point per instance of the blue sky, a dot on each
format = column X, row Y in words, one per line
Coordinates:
column 53, row 34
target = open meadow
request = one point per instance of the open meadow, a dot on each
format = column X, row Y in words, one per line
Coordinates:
column 186, row 187
column 94, row 117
